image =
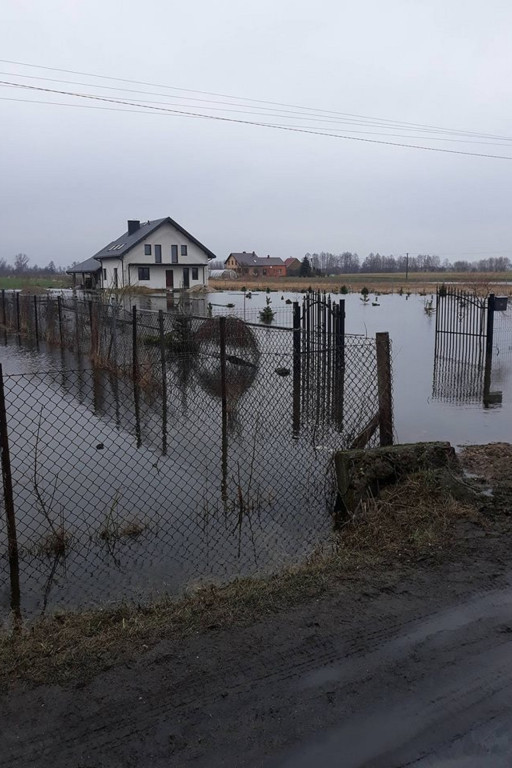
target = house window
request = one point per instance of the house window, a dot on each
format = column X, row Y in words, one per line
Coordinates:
column 195, row 272
column 143, row 273
column 158, row 254
column 147, row 249
column 174, row 254
column 183, row 250
column 104, row 274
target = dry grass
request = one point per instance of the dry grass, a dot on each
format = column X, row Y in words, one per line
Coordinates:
column 418, row 282
column 406, row 519
column 409, row 520
column 54, row 544
column 493, row 462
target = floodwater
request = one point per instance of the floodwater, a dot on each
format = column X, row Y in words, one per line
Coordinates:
column 424, row 409
column 212, row 501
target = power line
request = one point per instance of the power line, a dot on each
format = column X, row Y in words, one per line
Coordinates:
column 257, row 101
column 286, row 115
column 276, row 126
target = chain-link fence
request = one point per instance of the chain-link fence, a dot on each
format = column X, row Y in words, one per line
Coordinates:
column 173, row 448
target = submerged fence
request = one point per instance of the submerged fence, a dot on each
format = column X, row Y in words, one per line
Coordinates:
column 169, row 449
column 471, row 333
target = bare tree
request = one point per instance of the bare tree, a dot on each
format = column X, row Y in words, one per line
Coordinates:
column 21, row 262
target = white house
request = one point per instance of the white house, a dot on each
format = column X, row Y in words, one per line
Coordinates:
column 155, row 254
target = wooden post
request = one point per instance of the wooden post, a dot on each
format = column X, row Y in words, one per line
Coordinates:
column 384, row 388
column 296, row 369
column 4, row 311
column 14, row 570
column 164, row 381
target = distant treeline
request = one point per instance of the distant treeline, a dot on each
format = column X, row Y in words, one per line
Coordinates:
column 21, row 266
column 348, row 263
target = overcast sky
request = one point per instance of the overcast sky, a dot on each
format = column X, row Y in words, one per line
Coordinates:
column 72, row 175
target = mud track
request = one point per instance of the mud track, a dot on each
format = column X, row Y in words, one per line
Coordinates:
column 406, row 665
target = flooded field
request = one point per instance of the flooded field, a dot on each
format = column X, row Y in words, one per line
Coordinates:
column 150, row 499
column 426, row 405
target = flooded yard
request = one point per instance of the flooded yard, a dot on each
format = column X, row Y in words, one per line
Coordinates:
column 148, row 499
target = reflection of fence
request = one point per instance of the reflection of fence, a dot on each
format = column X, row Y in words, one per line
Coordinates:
column 168, row 451
column 466, row 332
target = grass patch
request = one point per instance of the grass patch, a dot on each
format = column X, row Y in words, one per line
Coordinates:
column 26, row 283
column 406, row 519
column 415, row 517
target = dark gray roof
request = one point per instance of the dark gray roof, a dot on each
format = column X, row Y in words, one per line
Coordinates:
column 117, row 248
column 91, row 265
column 251, row 260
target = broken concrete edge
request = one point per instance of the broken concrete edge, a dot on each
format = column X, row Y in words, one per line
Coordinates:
column 362, row 473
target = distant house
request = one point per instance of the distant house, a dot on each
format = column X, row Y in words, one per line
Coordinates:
column 156, row 254
column 250, row 265
column 86, row 275
column 292, row 267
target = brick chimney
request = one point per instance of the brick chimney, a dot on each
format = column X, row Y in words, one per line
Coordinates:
column 133, row 226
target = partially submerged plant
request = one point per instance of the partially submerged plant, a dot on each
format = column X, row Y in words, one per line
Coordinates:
column 54, row 544
column 57, row 541
column 114, row 529
column 267, row 314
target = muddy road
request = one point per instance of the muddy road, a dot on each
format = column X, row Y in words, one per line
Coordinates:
column 409, row 665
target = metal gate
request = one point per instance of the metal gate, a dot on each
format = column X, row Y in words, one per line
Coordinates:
column 463, row 352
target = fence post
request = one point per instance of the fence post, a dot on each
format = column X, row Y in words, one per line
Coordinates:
column 4, row 311
column 223, row 390
column 91, row 323
column 384, row 388
column 59, row 312
column 296, row 369
column 77, row 325
column 164, row 380
column 338, row 388
column 490, row 329
column 135, row 363
column 14, row 570
column 135, row 372
column 36, row 322
column 18, row 319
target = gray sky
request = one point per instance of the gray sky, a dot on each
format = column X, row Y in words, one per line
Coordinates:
column 72, row 176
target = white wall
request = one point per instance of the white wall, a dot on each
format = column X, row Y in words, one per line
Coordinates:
column 108, row 267
column 165, row 236
column 157, row 276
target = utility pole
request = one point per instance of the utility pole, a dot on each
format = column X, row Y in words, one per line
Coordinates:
column 407, row 266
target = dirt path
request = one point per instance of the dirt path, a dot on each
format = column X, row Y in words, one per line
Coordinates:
column 397, row 665
column 389, row 670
